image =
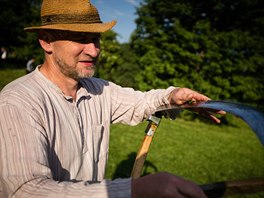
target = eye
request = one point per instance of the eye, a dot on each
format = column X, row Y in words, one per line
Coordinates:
column 96, row 39
column 79, row 37
column 82, row 37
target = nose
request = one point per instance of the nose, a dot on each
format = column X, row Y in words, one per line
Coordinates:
column 92, row 49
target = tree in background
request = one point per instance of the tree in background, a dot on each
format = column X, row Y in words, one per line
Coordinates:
column 117, row 61
column 128, row 67
column 108, row 60
column 15, row 15
column 215, row 47
column 22, row 46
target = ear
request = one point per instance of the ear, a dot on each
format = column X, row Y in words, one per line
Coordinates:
column 45, row 41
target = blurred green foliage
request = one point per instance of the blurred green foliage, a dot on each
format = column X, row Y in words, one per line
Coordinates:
column 213, row 47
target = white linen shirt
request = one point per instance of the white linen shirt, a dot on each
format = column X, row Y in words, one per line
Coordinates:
column 53, row 146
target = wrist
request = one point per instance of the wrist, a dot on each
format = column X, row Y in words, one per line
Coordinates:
column 172, row 95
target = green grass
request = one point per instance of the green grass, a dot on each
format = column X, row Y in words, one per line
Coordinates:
column 7, row 75
column 195, row 150
column 198, row 151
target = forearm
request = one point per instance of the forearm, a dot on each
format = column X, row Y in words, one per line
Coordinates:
column 165, row 185
column 131, row 107
column 44, row 187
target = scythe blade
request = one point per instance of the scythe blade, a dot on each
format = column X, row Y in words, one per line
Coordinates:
column 253, row 117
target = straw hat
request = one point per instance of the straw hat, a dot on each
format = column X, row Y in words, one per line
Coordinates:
column 71, row 15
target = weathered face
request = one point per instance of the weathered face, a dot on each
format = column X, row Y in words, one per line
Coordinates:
column 75, row 53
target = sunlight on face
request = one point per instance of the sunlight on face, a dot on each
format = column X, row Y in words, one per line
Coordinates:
column 72, row 71
column 75, row 54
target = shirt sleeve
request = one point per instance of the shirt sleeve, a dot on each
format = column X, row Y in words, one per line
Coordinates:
column 24, row 145
column 24, row 162
column 132, row 107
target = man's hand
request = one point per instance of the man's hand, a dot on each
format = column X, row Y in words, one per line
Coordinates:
column 165, row 185
column 182, row 96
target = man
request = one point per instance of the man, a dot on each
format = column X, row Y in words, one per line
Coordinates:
column 3, row 55
column 55, row 121
column 30, row 65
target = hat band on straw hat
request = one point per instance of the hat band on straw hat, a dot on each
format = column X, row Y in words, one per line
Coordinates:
column 70, row 19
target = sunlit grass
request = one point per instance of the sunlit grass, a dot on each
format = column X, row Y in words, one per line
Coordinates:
column 7, row 75
column 201, row 152
column 198, row 151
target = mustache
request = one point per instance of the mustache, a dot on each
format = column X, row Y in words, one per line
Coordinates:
column 88, row 59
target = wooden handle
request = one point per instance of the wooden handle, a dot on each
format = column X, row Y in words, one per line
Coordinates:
column 229, row 188
column 143, row 150
column 141, row 157
column 245, row 186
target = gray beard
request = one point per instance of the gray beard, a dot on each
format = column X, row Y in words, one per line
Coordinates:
column 71, row 72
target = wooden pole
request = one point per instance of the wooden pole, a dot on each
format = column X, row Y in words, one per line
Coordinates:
column 212, row 190
column 236, row 187
column 143, row 150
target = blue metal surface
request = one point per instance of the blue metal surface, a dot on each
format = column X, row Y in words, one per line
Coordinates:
column 253, row 117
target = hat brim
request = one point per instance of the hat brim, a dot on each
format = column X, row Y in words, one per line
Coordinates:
column 93, row 27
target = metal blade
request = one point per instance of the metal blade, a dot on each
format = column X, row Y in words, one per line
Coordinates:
column 253, row 117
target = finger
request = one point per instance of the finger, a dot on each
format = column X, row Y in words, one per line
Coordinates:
column 179, row 195
column 214, row 119
column 194, row 193
column 210, row 116
column 205, row 113
column 197, row 97
column 221, row 112
column 191, row 190
column 191, row 104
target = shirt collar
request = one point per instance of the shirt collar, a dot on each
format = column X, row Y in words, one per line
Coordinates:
column 82, row 92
